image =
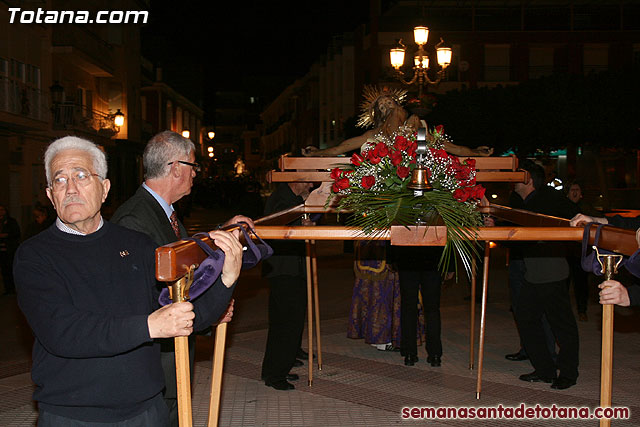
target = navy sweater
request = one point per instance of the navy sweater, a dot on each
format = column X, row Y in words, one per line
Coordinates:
column 87, row 299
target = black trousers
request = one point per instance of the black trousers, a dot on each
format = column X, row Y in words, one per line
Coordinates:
column 155, row 416
column 428, row 283
column 287, row 306
column 6, row 269
column 552, row 300
column 580, row 280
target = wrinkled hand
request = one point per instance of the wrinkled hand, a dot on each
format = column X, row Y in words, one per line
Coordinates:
column 226, row 317
column 173, row 320
column 614, row 292
column 232, row 249
column 582, row 219
column 240, row 218
column 483, row 151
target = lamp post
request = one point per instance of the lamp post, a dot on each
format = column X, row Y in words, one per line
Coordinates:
column 420, row 60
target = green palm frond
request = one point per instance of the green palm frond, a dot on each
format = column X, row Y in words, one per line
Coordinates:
column 373, row 213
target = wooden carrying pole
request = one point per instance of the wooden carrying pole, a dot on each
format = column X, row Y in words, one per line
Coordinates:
column 316, row 306
column 472, row 311
column 175, row 263
column 485, row 284
column 309, row 310
column 609, row 264
column 179, row 292
column 216, row 375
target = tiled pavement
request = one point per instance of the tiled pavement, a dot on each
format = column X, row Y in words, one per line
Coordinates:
column 359, row 385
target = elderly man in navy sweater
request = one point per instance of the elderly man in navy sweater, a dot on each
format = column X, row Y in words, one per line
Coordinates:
column 87, row 289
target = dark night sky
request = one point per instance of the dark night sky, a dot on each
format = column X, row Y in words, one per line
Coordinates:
column 208, row 45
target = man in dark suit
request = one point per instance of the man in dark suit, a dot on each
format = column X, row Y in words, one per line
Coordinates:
column 544, row 292
column 169, row 166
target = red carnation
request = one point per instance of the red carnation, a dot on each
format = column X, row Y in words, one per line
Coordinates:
column 401, row 143
column 411, row 151
column 471, row 163
column 373, row 159
column 335, row 173
column 478, row 192
column 440, row 153
column 439, row 129
column 340, row 184
column 461, row 194
column 396, row 157
column 381, row 149
column 403, row 171
column 368, row 181
column 356, row 159
column 463, row 173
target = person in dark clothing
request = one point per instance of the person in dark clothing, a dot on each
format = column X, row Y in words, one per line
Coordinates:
column 286, row 274
column 418, row 270
column 169, row 171
column 579, row 277
column 9, row 240
column 517, row 270
column 41, row 221
column 545, row 291
column 87, row 288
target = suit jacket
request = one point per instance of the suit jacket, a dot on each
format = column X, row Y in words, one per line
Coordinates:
column 143, row 213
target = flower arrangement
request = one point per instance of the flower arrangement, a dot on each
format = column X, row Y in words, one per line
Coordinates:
column 374, row 188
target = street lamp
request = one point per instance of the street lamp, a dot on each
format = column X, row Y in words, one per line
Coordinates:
column 420, row 60
column 118, row 118
column 211, row 134
column 186, row 133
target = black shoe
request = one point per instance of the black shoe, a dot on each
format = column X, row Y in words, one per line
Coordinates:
column 292, row 377
column 297, row 363
column 562, row 383
column 410, row 360
column 517, row 357
column 280, row 384
column 434, row 360
column 534, row 377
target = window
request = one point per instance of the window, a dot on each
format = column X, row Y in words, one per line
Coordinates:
column 4, row 84
column 20, row 89
column 496, row 63
column 540, row 62
column 595, row 58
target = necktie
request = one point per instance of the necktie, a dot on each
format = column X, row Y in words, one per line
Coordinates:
column 174, row 223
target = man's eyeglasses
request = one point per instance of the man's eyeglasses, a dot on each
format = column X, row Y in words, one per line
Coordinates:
column 196, row 167
column 81, row 178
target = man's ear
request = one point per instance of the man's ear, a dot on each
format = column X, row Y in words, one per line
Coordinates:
column 50, row 196
column 106, row 186
column 175, row 170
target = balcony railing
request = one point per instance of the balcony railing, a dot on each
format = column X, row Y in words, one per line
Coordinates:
column 72, row 116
